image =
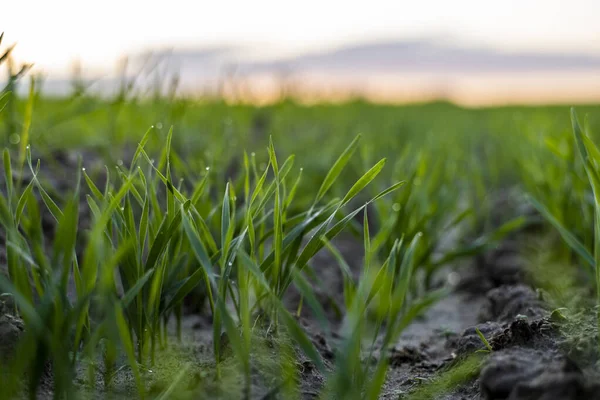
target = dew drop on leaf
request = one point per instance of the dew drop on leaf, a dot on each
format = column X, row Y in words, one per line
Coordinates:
column 15, row 138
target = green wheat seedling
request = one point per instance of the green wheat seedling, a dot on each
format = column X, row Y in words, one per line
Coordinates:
column 186, row 216
column 145, row 252
column 590, row 157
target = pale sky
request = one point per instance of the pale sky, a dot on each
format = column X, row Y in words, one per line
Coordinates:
column 52, row 33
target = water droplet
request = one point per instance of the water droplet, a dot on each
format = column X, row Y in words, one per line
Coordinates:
column 253, row 154
column 159, row 125
column 301, row 169
column 207, row 168
column 122, row 208
column 151, row 126
column 152, row 161
column 230, row 263
column 120, row 162
column 396, row 207
column 28, row 147
column 14, row 138
column 83, row 169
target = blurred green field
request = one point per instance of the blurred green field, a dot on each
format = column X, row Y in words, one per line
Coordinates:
column 226, row 206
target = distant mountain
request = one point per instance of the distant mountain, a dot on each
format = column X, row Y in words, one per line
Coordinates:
column 401, row 56
column 403, row 69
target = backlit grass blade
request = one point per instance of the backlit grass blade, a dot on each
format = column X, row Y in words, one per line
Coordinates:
column 376, row 382
column 273, row 158
column 8, row 178
column 290, row 197
column 5, row 214
column 24, row 140
column 590, row 156
column 336, row 169
column 225, row 222
column 366, row 239
column 66, row 236
column 93, row 188
column 4, row 98
column 258, row 188
column 315, row 243
column 306, row 290
column 201, row 255
column 136, row 288
column 187, row 286
column 363, row 182
column 567, row 236
column 141, row 146
column 300, row 337
column 22, row 202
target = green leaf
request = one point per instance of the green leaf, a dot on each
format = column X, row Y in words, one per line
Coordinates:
column 305, row 289
column 299, row 336
column 22, row 202
column 225, row 221
column 201, row 255
column 186, row 287
column 363, row 181
column 567, row 236
column 128, row 347
column 8, row 178
column 376, row 382
column 336, row 169
column 93, row 188
column 135, row 289
column 141, row 146
column 484, row 340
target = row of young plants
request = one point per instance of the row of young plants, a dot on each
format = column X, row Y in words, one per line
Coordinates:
column 151, row 243
column 183, row 225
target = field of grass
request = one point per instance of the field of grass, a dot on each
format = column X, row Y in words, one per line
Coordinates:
column 160, row 247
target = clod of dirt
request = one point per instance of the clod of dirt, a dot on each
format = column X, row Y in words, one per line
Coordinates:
column 523, row 332
column 526, row 374
column 498, row 267
column 406, row 355
column 470, row 341
column 506, row 268
column 509, row 301
column 11, row 330
column 323, row 347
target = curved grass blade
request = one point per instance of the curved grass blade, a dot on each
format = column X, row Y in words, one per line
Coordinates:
column 336, row 169
column 567, row 236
